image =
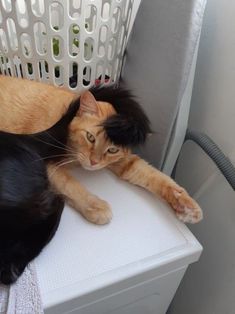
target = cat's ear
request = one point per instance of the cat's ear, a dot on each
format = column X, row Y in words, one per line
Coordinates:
column 88, row 104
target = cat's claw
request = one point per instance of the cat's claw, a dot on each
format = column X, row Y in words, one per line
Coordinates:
column 98, row 211
column 186, row 209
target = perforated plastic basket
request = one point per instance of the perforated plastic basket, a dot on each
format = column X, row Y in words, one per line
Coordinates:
column 76, row 43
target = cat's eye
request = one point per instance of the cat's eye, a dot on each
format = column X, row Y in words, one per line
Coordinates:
column 90, row 137
column 113, row 150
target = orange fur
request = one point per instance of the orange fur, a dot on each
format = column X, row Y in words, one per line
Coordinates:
column 27, row 107
column 24, row 105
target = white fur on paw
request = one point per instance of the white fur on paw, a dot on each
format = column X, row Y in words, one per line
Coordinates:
column 190, row 215
column 185, row 207
column 99, row 216
column 98, row 211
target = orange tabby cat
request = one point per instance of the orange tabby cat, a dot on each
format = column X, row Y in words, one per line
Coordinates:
column 27, row 107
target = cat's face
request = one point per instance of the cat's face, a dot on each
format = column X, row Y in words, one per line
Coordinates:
column 87, row 137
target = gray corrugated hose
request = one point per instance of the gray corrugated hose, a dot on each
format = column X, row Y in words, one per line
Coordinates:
column 214, row 152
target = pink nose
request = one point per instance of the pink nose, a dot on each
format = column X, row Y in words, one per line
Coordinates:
column 94, row 162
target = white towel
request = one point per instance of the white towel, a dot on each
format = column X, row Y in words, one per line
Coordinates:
column 23, row 297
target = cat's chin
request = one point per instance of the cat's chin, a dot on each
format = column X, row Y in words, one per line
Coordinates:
column 92, row 168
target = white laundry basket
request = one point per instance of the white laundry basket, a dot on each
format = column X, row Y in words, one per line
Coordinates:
column 70, row 43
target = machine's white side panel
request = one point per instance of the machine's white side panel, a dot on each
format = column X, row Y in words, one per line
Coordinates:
column 150, row 297
column 181, row 124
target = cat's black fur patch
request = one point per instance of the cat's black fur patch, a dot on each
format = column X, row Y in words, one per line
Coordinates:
column 130, row 126
column 29, row 210
column 56, row 135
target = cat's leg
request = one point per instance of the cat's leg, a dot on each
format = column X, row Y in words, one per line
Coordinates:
column 139, row 172
column 89, row 205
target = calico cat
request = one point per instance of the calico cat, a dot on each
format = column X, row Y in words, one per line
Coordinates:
column 29, row 208
column 109, row 122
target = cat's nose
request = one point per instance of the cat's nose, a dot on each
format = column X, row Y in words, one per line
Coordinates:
column 94, row 162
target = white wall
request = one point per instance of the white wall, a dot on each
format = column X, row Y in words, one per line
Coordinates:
column 213, row 101
column 209, row 286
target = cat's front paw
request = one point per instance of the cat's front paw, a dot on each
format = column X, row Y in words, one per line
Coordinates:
column 186, row 208
column 97, row 211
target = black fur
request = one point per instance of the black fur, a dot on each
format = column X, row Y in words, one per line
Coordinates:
column 29, row 210
column 57, row 135
column 130, row 126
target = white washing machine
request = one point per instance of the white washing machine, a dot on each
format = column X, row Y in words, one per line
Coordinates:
column 131, row 266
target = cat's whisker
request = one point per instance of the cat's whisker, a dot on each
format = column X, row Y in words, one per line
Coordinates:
column 59, row 142
column 61, row 165
column 49, row 144
column 54, row 156
column 61, row 161
column 81, row 157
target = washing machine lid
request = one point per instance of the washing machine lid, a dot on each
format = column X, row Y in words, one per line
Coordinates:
column 143, row 234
